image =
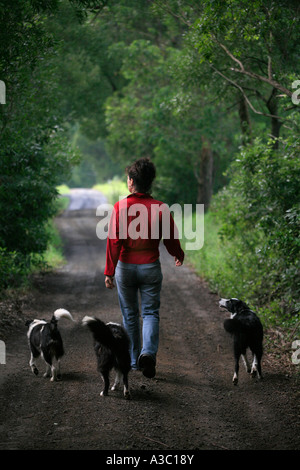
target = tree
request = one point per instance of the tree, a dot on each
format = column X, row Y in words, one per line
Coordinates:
column 156, row 116
column 34, row 155
column 240, row 47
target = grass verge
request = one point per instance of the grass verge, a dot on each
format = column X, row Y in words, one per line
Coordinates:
column 54, row 257
column 113, row 190
column 213, row 263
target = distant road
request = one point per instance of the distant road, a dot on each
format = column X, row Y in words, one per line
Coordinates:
column 85, row 199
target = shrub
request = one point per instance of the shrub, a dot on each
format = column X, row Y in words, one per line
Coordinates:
column 256, row 253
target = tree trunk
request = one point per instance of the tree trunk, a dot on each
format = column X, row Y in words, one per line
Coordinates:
column 205, row 176
column 244, row 120
column 276, row 124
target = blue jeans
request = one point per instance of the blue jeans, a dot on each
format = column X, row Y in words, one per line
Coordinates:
column 146, row 279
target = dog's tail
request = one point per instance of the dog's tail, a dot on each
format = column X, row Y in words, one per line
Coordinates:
column 231, row 325
column 101, row 332
column 62, row 313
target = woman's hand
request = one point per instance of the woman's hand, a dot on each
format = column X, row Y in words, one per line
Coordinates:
column 109, row 282
column 177, row 262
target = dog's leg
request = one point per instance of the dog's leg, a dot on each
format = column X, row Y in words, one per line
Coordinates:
column 235, row 378
column 58, row 373
column 236, row 371
column 53, row 373
column 126, row 388
column 259, row 374
column 105, row 375
column 256, row 367
column 33, row 367
column 117, row 380
column 48, row 370
column 237, row 355
column 48, row 362
column 55, row 370
column 246, row 363
column 51, row 369
column 258, row 358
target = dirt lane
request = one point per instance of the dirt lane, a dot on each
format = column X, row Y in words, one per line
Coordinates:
column 191, row 404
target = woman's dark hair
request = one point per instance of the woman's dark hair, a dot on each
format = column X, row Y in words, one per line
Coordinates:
column 142, row 172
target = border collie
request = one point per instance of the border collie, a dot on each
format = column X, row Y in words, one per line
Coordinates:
column 112, row 351
column 45, row 340
column 247, row 331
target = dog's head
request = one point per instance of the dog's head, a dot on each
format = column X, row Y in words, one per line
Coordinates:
column 233, row 305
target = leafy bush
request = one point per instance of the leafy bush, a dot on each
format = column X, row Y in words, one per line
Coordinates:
column 30, row 171
column 13, row 268
column 256, row 253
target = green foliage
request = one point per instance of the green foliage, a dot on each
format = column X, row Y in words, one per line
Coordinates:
column 30, row 172
column 155, row 116
column 238, row 47
column 173, row 80
column 13, row 268
column 29, row 175
column 54, row 255
column 95, row 165
column 249, row 32
column 257, row 218
column 210, row 260
column 113, row 189
column 34, row 153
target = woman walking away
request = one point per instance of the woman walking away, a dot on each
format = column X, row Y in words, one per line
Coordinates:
column 137, row 225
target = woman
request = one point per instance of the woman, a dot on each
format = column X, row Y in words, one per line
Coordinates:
column 137, row 225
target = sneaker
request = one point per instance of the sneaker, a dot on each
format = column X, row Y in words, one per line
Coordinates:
column 147, row 366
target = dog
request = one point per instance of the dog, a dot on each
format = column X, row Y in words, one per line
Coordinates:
column 247, row 331
column 45, row 340
column 112, row 351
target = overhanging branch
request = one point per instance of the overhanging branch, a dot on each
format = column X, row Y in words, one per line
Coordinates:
column 248, row 73
column 236, row 85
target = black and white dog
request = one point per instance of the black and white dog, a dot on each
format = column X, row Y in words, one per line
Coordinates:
column 112, row 351
column 45, row 340
column 247, row 331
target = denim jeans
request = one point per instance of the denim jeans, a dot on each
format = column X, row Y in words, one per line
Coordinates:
column 146, row 279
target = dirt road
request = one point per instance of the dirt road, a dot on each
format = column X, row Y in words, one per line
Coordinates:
column 191, row 404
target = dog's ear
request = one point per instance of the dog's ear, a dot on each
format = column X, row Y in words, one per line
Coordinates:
column 234, row 305
column 238, row 305
column 28, row 322
column 230, row 305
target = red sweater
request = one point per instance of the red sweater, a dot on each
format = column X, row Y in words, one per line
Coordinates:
column 137, row 225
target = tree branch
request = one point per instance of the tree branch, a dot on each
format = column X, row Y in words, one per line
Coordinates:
column 229, row 53
column 168, row 10
column 236, row 85
column 271, row 82
column 242, row 70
